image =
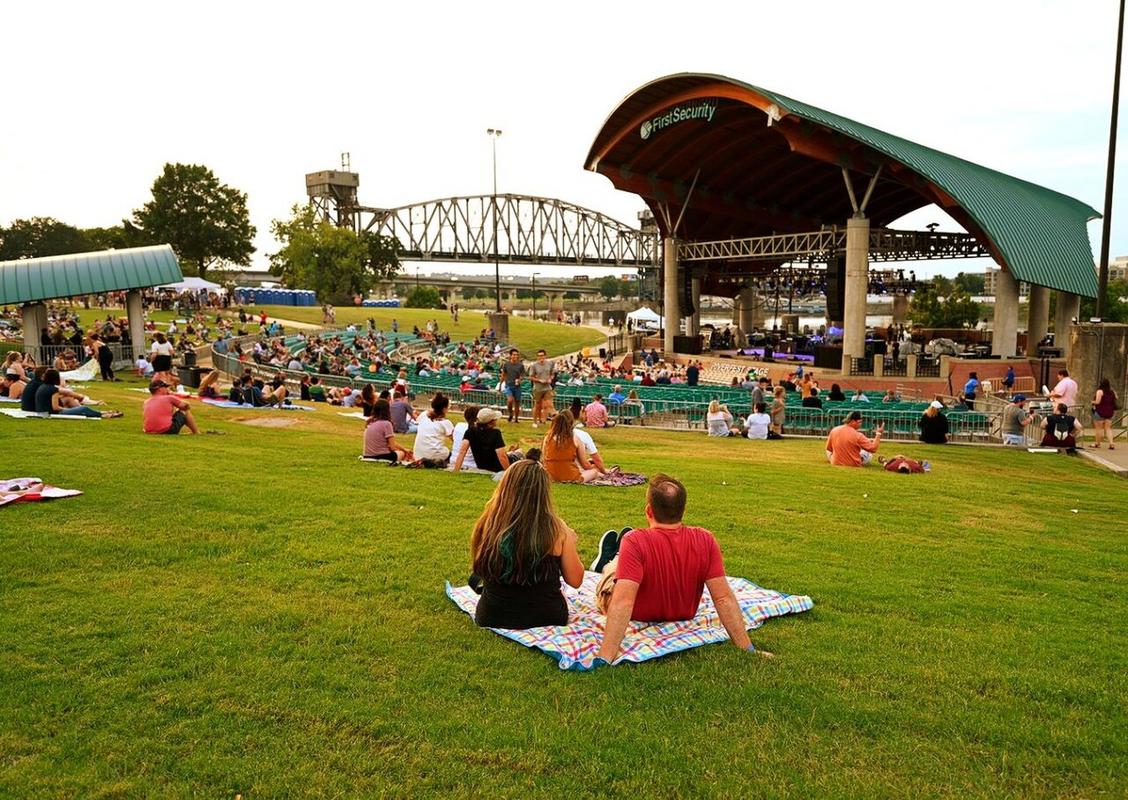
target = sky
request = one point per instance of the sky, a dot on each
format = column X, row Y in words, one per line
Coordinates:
column 99, row 96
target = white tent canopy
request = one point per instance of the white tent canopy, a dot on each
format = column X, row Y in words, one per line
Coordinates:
column 644, row 317
column 194, row 285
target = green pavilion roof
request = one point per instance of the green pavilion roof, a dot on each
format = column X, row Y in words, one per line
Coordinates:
column 778, row 162
column 33, row 279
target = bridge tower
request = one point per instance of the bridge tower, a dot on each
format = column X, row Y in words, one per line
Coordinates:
column 333, row 194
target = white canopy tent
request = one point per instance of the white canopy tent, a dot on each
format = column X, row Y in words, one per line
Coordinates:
column 645, row 318
column 194, row 285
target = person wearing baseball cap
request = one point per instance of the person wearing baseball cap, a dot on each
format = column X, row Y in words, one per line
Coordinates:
column 164, row 412
column 847, row 446
column 1015, row 420
column 485, row 441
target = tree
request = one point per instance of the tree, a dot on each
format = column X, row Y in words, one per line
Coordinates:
column 40, row 236
column 337, row 263
column 970, row 283
column 609, row 288
column 1116, row 309
column 204, row 220
column 957, row 310
column 115, row 238
column 423, row 297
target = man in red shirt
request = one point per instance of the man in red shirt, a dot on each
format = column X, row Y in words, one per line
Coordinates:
column 166, row 413
column 659, row 572
column 847, row 446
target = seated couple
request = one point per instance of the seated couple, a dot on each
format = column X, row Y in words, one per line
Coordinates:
column 520, row 549
column 565, row 452
column 254, row 392
column 482, row 440
column 45, row 394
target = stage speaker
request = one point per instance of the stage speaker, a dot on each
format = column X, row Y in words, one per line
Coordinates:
column 691, row 345
column 836, row 288
column 685, row 296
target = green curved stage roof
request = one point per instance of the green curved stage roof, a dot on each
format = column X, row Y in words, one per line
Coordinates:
column 1040, row 234
column 29, row 280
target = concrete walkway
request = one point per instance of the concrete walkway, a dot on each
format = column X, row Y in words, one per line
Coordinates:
column 1113, row 460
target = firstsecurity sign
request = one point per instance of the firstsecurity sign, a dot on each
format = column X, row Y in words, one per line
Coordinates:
column 702, row 110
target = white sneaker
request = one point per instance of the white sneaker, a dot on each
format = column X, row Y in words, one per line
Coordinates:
column 536, row 424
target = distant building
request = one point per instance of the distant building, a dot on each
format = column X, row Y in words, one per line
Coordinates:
column 991, row 275
column 1118, row 269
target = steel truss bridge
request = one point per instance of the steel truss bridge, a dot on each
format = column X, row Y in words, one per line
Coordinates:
column 511, row 229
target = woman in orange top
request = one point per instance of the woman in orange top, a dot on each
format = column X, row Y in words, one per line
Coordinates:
column 562, row 457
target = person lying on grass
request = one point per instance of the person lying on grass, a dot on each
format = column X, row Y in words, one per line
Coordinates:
column 657, row 574
column 50, row 397
column 165, row 413
column 380, row 439
column 519, row 551
column 209, row 386
column 565, row 460
column 485, row 441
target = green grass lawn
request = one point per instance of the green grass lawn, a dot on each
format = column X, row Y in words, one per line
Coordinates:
column 523, row 333
column 259, row 613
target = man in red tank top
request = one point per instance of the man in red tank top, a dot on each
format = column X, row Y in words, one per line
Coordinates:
column 660, row 571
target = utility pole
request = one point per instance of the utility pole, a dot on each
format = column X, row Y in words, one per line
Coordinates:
column 1102, row 276
column 535, row 274
column 494, row 133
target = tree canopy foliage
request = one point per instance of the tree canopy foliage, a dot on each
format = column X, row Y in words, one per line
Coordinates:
column 205, row 221
column 423, row 297
column 1116, row 309
column 337, row 263
column 956, row 310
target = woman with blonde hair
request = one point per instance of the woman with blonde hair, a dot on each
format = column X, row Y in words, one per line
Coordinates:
column 519, row 551
column 209, row 386
column 562, row 457
column 718, row 420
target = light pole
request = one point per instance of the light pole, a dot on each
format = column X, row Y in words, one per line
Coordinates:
column 1102, row 270
column 535, row 274
column 494, row 134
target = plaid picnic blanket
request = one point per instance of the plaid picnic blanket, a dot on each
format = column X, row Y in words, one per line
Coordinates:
column 576, row 644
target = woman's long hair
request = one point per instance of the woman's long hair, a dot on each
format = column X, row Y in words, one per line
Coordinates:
column 560, row 430
column 714, row 406
column 514, row 536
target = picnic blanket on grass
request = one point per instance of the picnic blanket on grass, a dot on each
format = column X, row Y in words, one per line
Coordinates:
column 9, row 399
column 245, row 407
column 618, row 478
column 575, row 645
column 21, row 414
column 15, row 490
column 86, row 372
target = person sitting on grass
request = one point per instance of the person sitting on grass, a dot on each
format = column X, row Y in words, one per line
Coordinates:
column 565, row 461
column 165, row 413
column 718, row 420
column 1061, row 429
column 470, row 415
column 485, row 441
column 658, row 573
column 847, row 446
column 759, row 423
column 434, row 429
column 403, row 415
column 14, row 385
column 261, row 395
column 584, row 440
column 143, row 368
column 209, row 386
column 48, row 396
column 519, row 551
column 933, row 424
column 379, row 438
column 316, row 390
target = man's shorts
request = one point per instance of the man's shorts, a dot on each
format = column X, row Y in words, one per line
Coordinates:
column 179, row 420
column 514, row 393
column 867, row 457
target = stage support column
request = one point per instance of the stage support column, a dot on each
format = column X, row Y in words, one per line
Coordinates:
column 1038, row 318
column 136, row 315
column 857, row 287
column 747, row 309
column 1068, row 307
column 1004, row 338
column 693, row 322
column 758, row 310
column 671, row 312
column 34, row 321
